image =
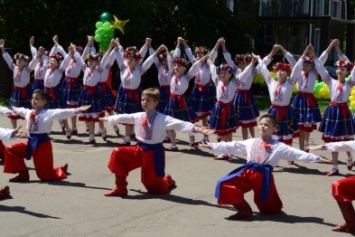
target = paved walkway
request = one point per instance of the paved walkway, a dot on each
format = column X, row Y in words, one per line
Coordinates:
column 77, row 207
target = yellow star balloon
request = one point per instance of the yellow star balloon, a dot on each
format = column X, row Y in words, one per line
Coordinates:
column 118, row 24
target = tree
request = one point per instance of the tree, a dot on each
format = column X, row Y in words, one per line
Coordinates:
column 200, row 22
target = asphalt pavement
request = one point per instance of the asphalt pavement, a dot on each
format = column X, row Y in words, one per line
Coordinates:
column 77, row 207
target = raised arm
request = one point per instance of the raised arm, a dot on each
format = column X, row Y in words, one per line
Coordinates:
column 227, row 56
column 32, row 47
column 197, row 66
column 6, row 56
column 289, row 57
column 150, row 60
column 297, row 69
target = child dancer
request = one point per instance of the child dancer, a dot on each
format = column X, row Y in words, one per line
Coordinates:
column 132, row 68
column 223, row 118
column 262, row 155
column 40, row 68
column 39, row 122
column 246, row 108
column 179, row 106
column 280, row 92
column 150, row 127
column 9, row 134
column 90, row 94
column 305, row 107
column 203, row 95
column 343, row 190
column 164, row 64
column 107, row 98
column 337, row 123
column 3, row 111
column 21, row 93
column 70, row 86
column 52, row 77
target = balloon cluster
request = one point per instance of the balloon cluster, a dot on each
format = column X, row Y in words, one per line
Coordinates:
column 104, row 31
column 259, row 79
column 352, row 100
column 321, row 90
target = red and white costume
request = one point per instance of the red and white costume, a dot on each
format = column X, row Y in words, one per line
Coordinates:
column 38, row 125
column 150, row 130
column 262, row 156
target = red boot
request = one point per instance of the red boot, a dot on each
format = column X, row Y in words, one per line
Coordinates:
column 22, row 176
column 121, row 187
column 244, row 211
column 348, row 212
column 171, row 183
column 4, row 192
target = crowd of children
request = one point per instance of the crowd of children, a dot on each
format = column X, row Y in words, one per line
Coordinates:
column 220, row 99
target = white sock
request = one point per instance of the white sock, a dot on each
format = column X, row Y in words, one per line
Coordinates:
column 91, row 137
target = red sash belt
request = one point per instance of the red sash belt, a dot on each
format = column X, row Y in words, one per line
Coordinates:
column 224, row 113
column 344, row 107
column 246, row 95
column 311, row 101
column 202, row 88
column 71, row 82
column 91, row 89
column 181, row 100
column 281, row 111
column 38, row 80
column 132, row 94
column 23, row 91
column 51, row 92
column 103, row 86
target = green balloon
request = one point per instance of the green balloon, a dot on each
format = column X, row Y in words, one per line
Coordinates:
column 97, row 38
column 107, row 26
column 106, row 17
column 98, row 24
column 101, row 31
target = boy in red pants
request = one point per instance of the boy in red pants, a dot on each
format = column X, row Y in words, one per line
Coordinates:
column 343, row 190
column 39, row 124
column 263, row 154
column 150, row 129
column 8, row 134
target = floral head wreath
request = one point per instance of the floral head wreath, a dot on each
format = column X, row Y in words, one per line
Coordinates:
column 243, row 58
column 58, row 57
column 226, row 67
column 342, row 63
column 282, row 66
column 21, row 57
column 308, row 60
column 93, row 56
column 133, row 52
column 182, row 62
column 163, row 56
column 201, row 49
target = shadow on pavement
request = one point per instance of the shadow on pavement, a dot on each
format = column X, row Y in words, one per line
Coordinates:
column 172, row 198
column 23, row 210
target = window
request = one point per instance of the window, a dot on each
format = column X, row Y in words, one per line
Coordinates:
column 319, row 7
column 336, row 8
column 316, row 41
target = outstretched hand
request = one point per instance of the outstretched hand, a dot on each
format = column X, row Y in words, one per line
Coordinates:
column 204, row 144
column 104, row 119
column 317, row 148
column 83, row 108
column 325, row 160
column 19, row 133
column 205, row 131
